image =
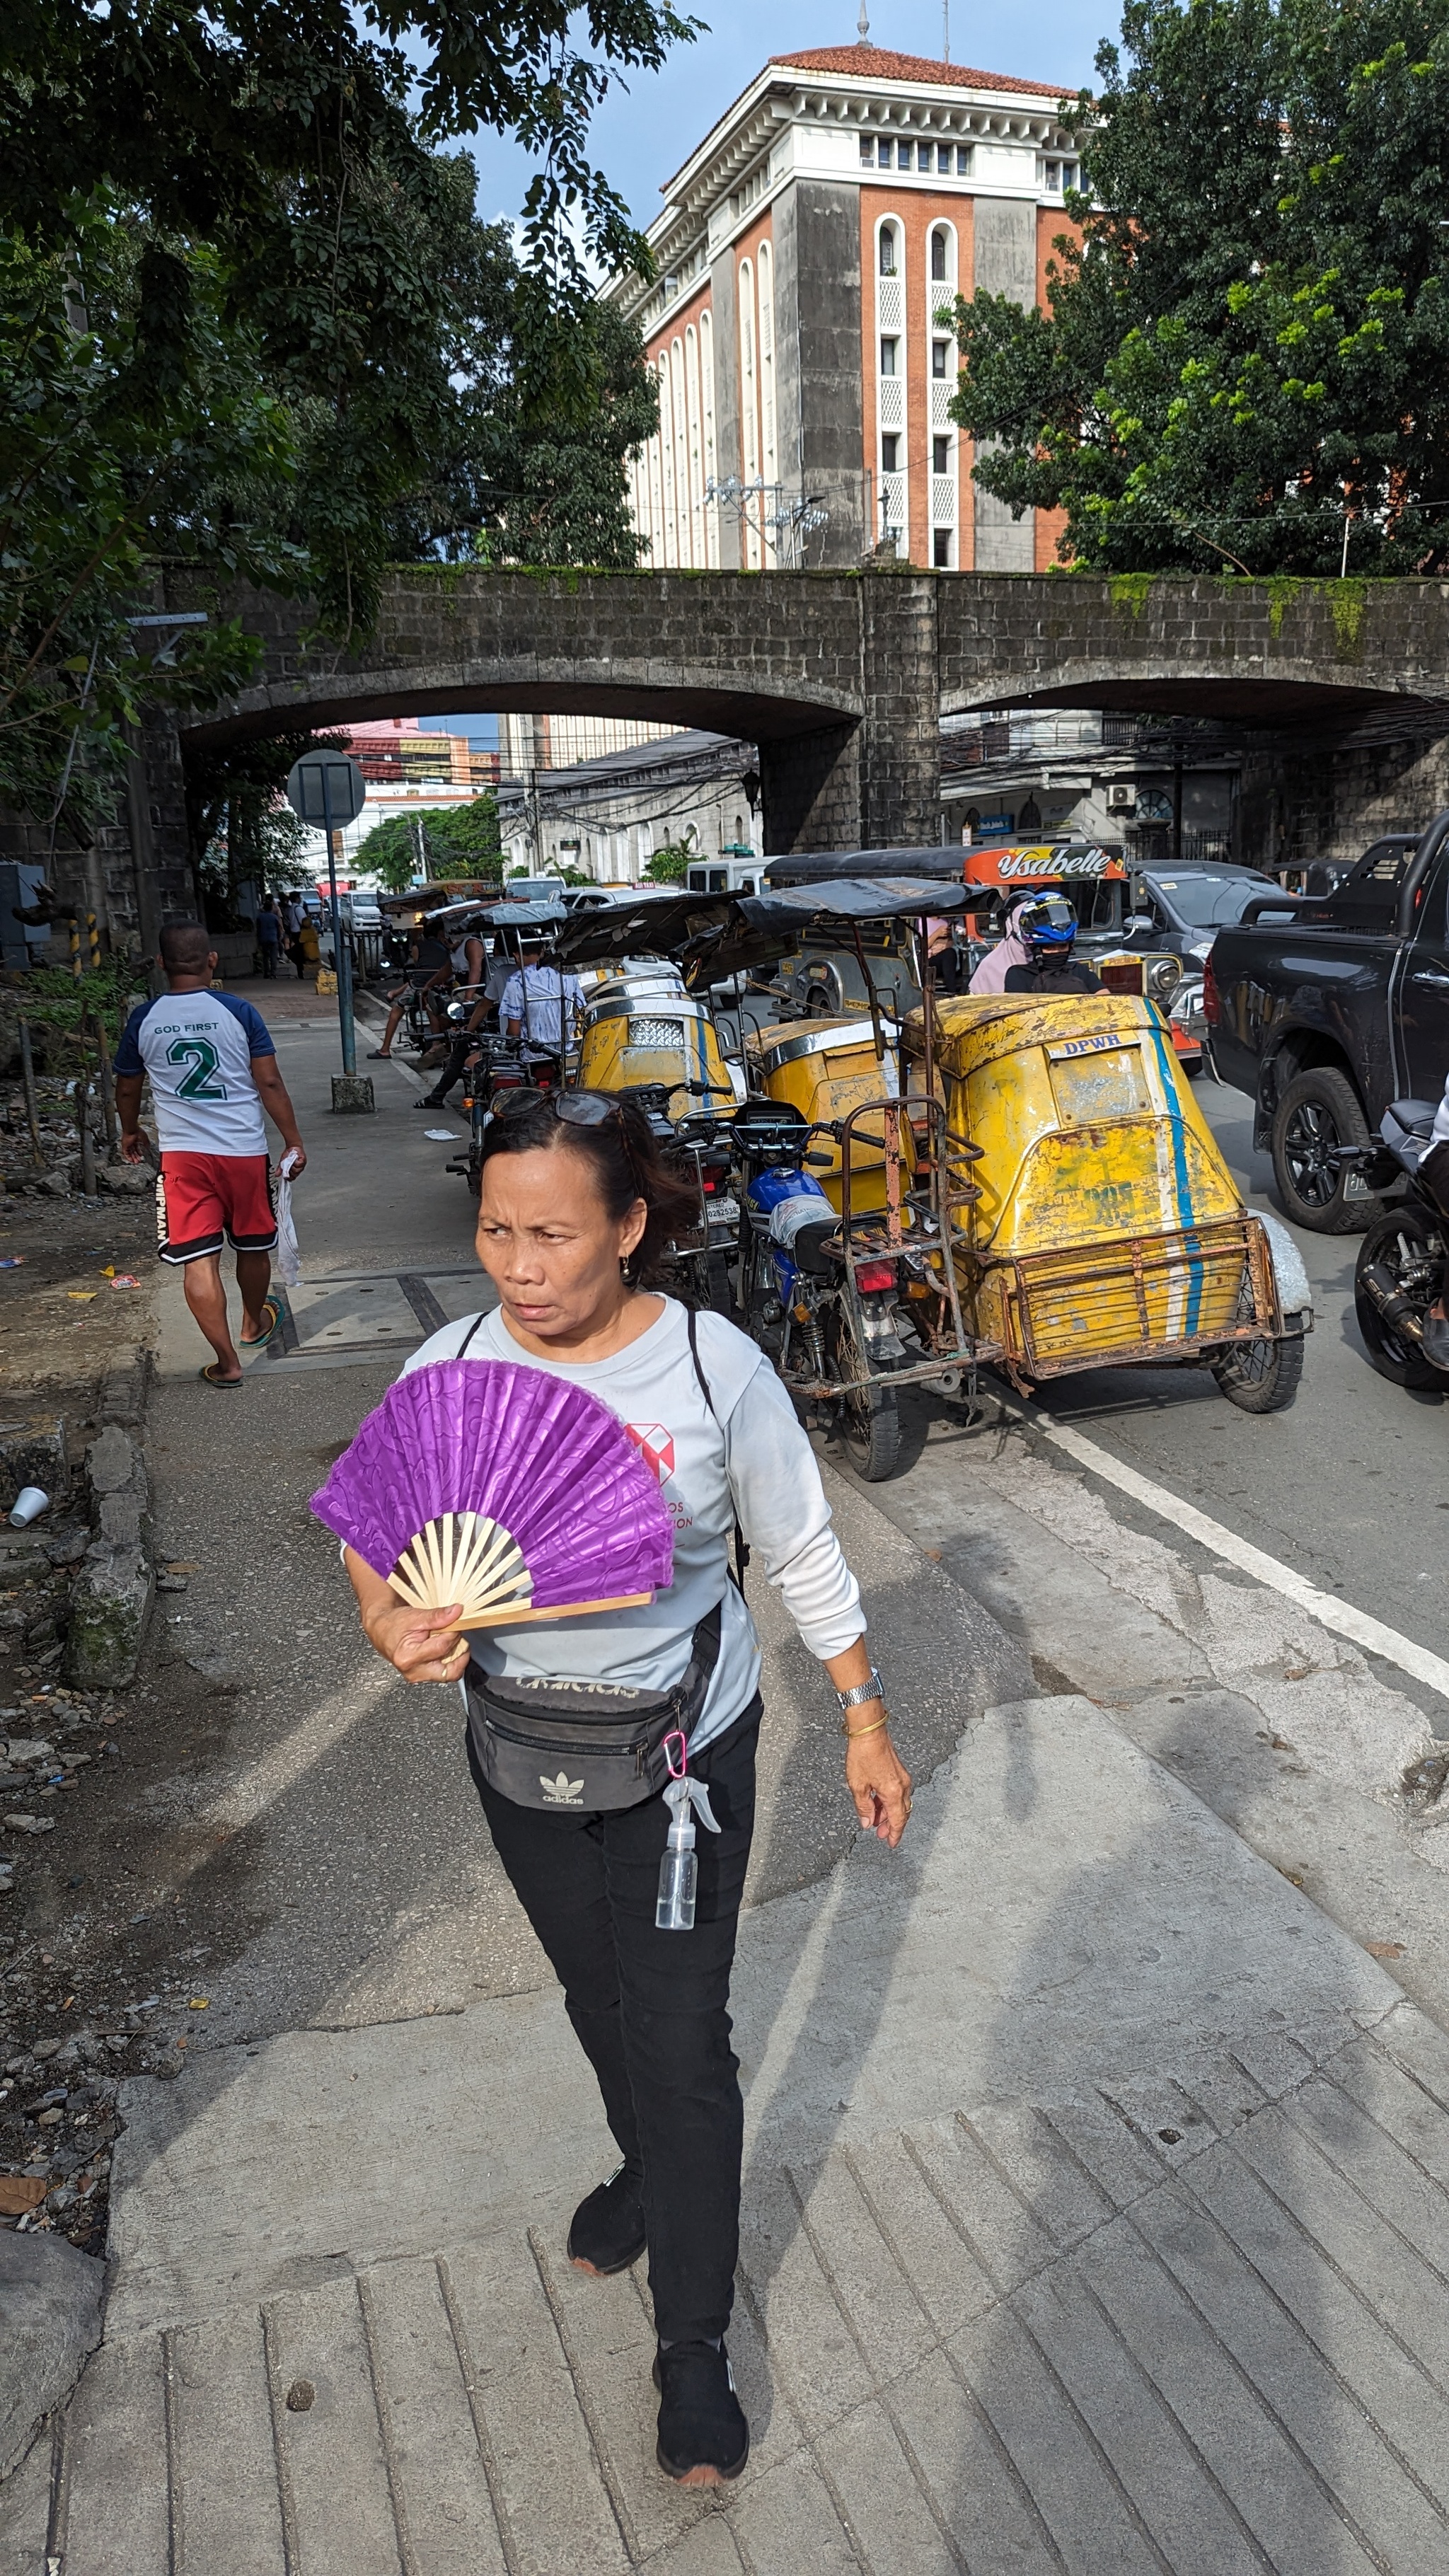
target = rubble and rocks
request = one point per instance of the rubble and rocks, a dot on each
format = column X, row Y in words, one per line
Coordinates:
column 33, row 1451
column 111, row 1598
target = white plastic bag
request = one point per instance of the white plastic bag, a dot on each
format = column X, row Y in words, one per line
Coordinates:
column 287, row 1258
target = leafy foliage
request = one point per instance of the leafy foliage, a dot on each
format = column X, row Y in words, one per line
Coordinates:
column 108, row 448
column 1246, row 352
column 670, row 860
column 456, row 841
column 251, row 327
column 206, row 113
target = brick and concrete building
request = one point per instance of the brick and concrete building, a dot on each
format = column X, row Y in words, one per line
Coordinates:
column 607, row 816
column 805, row 252
column 529, row 742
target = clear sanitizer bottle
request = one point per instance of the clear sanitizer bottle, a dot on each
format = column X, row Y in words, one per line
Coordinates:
column 679, row 1865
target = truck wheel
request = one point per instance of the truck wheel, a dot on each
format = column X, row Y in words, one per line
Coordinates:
column 1318, row 1112
column 1396, row 1249
column 1260, row 1377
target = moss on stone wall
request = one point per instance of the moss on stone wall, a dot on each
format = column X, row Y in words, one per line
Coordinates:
column 1132, row 590
column 1347, row 601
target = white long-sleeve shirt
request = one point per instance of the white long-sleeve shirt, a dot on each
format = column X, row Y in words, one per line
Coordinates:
column 753, row 1459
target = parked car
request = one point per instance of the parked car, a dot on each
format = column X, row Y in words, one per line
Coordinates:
column 1182, row 909
column 1330, row 1018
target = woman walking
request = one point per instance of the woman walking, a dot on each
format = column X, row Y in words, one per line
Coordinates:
column 575, row 1213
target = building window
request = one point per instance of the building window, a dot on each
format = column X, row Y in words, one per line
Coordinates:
column 887, row 250
column 890, row 449
column 940, row 248
column 1054, row 174
column 1071, row 175
column 939, row 349
column 888, row 357
column 965, row 159
column 941, row 550
column 940, row 456
column 867, row 148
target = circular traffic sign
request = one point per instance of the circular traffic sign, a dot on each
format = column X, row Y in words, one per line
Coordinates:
column 326, row 788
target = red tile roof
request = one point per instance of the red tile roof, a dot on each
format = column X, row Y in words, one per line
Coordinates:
column 873, row 62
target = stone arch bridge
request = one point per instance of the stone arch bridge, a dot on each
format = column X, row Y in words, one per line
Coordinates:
column 842, row 678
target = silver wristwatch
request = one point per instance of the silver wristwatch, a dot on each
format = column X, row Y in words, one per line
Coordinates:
column 856, row 1698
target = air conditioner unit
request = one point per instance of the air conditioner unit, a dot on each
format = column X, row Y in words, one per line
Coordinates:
column 1121, row 800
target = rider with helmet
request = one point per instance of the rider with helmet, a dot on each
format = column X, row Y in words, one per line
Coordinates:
column 1047, row 929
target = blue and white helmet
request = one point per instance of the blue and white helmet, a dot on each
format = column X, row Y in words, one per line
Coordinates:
column 1048, row 926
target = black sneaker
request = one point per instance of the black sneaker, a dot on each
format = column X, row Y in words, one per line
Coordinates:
column 607, row 2234
column 703, row 2436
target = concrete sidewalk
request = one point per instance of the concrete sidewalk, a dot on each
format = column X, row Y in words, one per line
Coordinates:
column 1094, row 2219
column 1096, row 2180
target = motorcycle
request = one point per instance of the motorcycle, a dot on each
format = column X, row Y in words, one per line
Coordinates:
column 500, row 1066
column 1400, row 1266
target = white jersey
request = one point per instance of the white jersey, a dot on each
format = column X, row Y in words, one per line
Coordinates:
column 198, row 1050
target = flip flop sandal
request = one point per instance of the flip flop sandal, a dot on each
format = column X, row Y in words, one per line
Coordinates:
column 271, row 1317
column 208, row 1377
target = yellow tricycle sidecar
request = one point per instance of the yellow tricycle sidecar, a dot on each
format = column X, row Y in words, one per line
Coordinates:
column 1108, row 1229
column 825, row 1068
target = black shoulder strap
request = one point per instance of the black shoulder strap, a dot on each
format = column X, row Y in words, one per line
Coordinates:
column 742, row 1549
column 468, row 1336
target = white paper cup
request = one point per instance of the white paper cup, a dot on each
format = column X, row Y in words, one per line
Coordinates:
column 30, row 1502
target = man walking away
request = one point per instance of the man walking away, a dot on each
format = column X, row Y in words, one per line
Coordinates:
column 213, row 1069
column 269, row 937
column 293, row 916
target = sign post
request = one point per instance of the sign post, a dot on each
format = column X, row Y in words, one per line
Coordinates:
column 327, row 788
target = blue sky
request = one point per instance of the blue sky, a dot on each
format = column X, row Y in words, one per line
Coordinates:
column 642, row 134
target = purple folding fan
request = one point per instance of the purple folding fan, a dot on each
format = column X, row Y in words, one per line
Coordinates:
column 505, row 1490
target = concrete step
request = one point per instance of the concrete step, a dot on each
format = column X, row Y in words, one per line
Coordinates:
column 1030, row 2338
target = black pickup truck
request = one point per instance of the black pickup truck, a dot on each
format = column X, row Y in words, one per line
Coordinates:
column 1328, row 1015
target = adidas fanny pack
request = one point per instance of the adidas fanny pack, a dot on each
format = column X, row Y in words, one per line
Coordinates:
column 590, row 1746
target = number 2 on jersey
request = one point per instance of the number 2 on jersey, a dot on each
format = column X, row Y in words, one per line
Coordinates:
column 203, row 1059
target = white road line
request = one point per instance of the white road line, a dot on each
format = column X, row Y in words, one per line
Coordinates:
column 1325, row 1607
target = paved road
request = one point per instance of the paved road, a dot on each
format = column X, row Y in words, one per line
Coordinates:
column 1346, row 1487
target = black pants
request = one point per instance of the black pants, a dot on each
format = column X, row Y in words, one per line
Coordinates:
column 267, row 951
column 651, row 2009
column 462, row 1047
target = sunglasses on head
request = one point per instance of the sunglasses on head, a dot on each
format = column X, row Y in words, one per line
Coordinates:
column 575, row 1109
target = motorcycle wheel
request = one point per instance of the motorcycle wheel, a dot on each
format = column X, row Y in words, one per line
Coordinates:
column 869, row 1423
column 1397, row 1240
column 1260, row 1377
column 720, row 1298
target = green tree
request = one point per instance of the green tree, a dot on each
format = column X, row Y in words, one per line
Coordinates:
column 670, row 860
column 454, row 841
column 252, row 327
column 1245, row 358
column 112, row 441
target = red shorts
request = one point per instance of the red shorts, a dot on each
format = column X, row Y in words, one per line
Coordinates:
column 202, row 1199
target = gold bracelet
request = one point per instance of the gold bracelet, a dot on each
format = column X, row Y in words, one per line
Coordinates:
column 852, row 1733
